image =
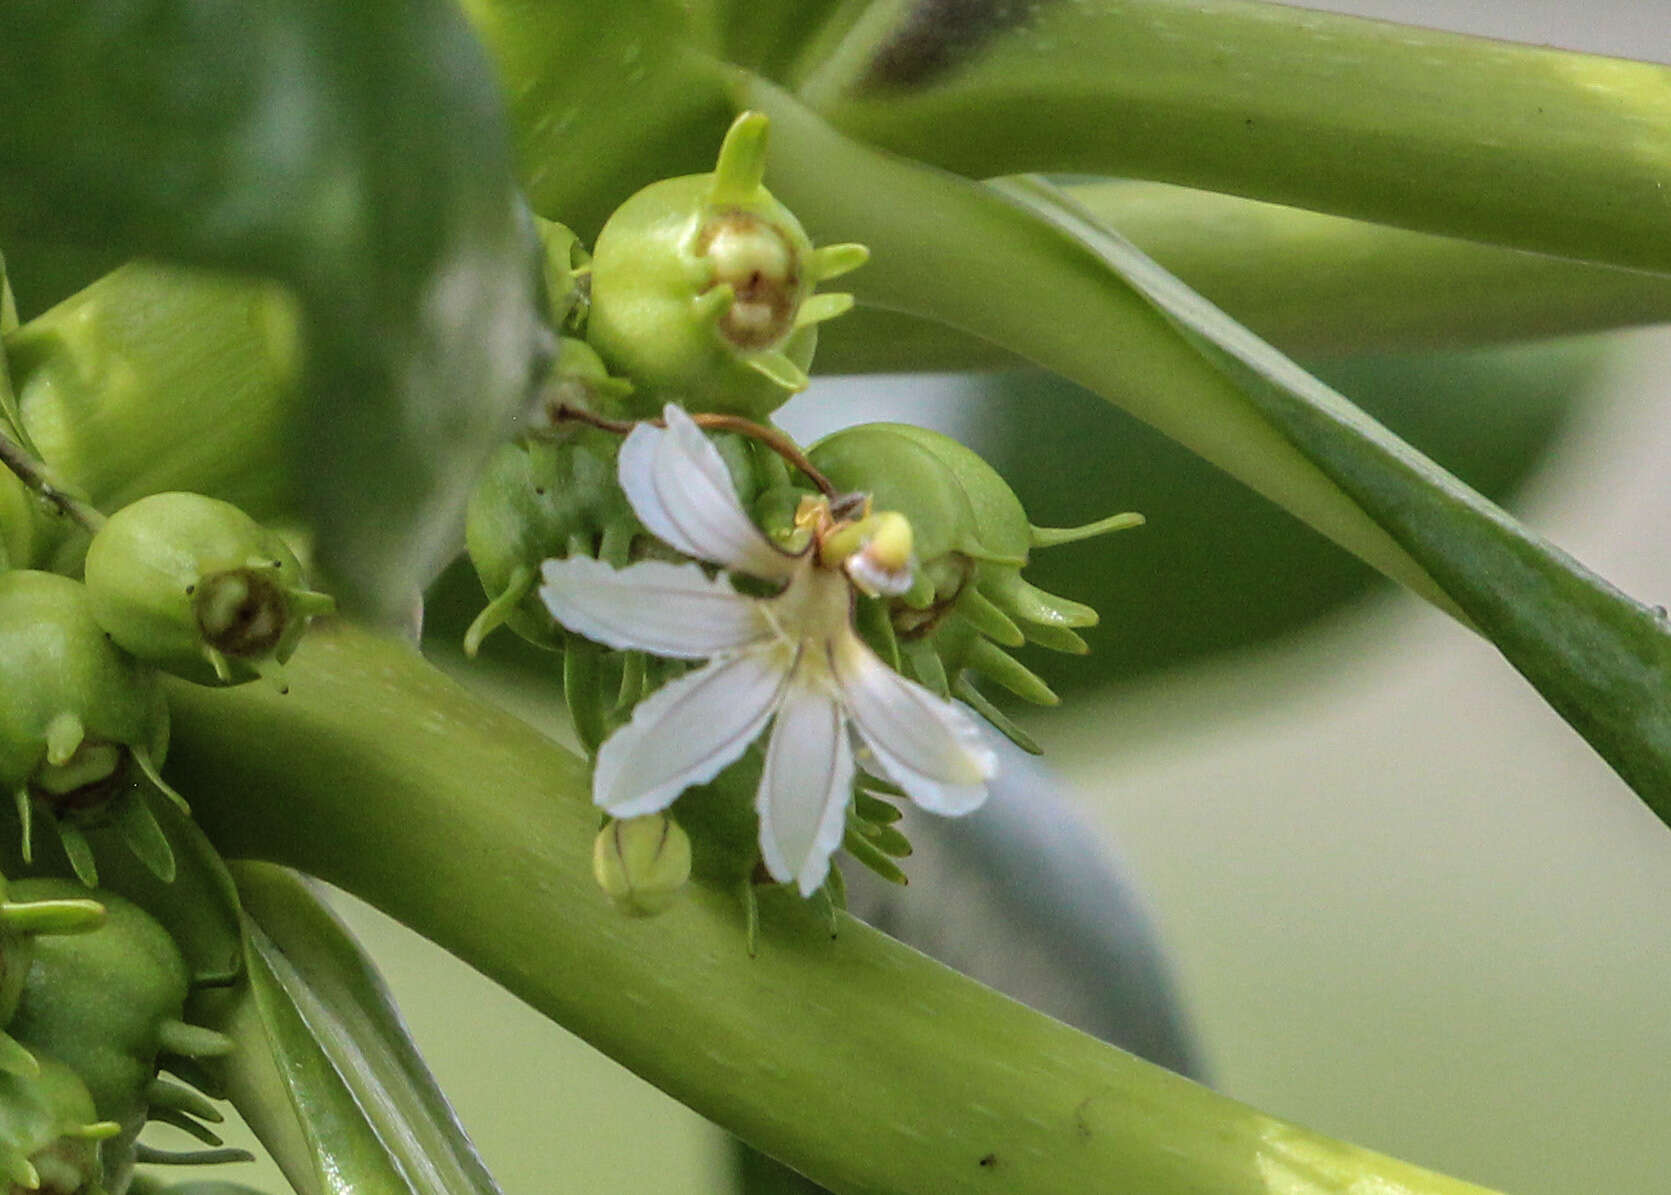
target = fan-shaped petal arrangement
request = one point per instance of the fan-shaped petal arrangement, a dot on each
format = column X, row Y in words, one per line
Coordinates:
column 792, row 659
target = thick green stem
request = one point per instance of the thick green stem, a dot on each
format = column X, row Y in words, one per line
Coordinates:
column 856, row 1060
column 1313, row 285
column 1518, row 145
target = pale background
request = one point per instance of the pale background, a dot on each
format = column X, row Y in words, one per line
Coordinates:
column 1407, row 906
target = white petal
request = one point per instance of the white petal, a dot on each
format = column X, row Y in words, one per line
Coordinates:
column 673, row 610
column 804, row 789
column 927, row 746
column 681, row 491
column 687, row 731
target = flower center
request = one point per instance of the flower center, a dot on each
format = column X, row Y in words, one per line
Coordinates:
column 242, row 612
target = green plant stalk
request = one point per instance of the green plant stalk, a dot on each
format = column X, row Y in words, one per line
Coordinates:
column 1541, row 149
column 943, row 247
column 155, row 379
column 856, row 1060
column 1314, row 285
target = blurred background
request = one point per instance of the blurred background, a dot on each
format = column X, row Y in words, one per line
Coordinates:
column 1402, row 902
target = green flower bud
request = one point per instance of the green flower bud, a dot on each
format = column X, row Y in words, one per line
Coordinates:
column 702, row 287
column 108, row 1004
column 82, row 721
column 49, row 1134
column 536, row 500
column 197, row 587
column 969, row 600
column 642, row 863
column 21, row 922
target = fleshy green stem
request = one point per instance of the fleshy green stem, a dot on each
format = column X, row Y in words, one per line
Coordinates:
column 854, row 1060
column 1542, row 149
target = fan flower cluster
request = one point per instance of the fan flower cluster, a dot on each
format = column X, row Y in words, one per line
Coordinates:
column 791, row 659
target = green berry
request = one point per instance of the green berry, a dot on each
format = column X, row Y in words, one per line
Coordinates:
column 108, row 1004
column 539, row 499
column 82, row 722
column 49, row 1134
column 969, row 601
column 197, row 587
column 702, row 286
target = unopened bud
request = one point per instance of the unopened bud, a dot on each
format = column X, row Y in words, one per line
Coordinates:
column 642, row 863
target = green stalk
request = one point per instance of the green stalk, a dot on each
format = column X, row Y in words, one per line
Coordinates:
column 942, row 247
column 859, row 1062
column 1517, row 145
column 1314, row 285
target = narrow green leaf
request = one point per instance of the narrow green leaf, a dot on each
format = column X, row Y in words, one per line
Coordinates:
column 1602, row 659
column 367, row 1105
column 354, row 151
column 1543, row 149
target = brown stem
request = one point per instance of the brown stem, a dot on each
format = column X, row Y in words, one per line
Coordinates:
column 771, row 437
column 33, row 474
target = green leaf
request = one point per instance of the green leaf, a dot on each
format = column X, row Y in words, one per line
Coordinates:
column 391, row 781
column 355, row 152
column 1600, row 658
column 1026, row 269
column 370, row 1113
column 1543, row 149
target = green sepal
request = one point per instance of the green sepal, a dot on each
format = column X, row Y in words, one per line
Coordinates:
column 872, row 857
column 966, row 692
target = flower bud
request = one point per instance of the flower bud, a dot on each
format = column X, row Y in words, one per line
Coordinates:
column 702, row 287
column 197, row 587
column 642, row 863
column 566, row 270
column 580, row 381
column 972, row 538
column 81, row 722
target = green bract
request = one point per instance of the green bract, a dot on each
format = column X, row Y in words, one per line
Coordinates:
column 108, row 1004
column 49, row 1134
column 702, row 287
column 82, row 721
column 196, row 586
column 969, row 600
column 540, row 499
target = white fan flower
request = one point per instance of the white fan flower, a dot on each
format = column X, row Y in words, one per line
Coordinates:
column 792, row 659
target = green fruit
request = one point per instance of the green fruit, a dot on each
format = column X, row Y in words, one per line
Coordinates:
column 49, row 1134
column 537, row 500
column 197, row 587
column 82, row 721
column 107, row 1003
column 972, row 538
column 702, row 285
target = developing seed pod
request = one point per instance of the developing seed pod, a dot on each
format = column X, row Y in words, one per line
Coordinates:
column 108, row 1003
column 83, row 724
column 968, row 601
column 50, row 1134
column 702, row 287
column 198, row 588
column 21, row 922
column 539, row 499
